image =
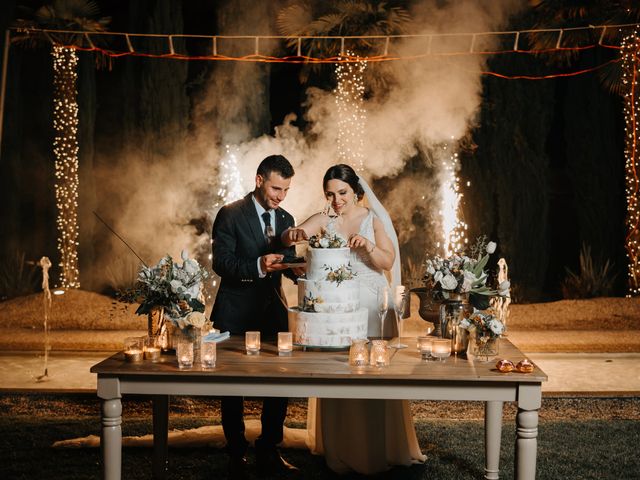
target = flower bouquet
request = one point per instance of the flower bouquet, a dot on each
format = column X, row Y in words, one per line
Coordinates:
column 485, row 331
column 172, row 288
column 327, row 240
column 459, row 274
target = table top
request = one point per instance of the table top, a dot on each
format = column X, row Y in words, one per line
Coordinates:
column 332, row 366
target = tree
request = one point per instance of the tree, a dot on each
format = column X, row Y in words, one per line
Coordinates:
column 588, row 164
column 69, row 16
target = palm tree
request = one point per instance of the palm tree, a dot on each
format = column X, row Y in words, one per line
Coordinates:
column 71, row 16
column 620, row 77
column 343, row 18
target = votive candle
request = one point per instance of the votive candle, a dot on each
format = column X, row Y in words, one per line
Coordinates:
column 208, row 354
column 424, row 346
column 441, row 348
column 285, row 343
column 252, row 343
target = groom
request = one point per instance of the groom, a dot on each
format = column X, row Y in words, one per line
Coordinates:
column 247, row 252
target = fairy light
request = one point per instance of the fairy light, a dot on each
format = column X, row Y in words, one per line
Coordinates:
column 453, row 228
column 352, row 115
column 65, row 148
column 230, row 186
column 631, row 63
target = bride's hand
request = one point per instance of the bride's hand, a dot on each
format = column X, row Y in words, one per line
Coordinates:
column 358, row 241
column 295, row 235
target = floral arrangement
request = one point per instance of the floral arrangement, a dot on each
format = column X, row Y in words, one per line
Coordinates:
column 485, row 325
column 309, row 303
column 340, row 274
column 176, row 287
column 462, row 274
column 327, row 240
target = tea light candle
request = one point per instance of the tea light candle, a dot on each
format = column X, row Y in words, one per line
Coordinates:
column 285, row 344
column 133, row 356
column 152, row 353
column 208, row 354
column 379, row 353
column 441, row 348
column 252, row 343
column 184, row 352
column 358, row 353
column 424, row 346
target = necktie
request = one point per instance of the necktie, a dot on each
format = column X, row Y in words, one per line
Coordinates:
column 268, row 229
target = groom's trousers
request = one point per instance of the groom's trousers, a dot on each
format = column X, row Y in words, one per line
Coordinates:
column 274, row 411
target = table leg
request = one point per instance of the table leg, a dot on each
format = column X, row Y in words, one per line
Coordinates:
column 111, row 441
column 492, row 439
column 160, row 436
column 529, row 401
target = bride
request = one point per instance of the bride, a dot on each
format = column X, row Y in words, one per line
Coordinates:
column 365, row 436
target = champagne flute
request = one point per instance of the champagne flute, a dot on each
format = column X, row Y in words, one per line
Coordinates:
column 383, row 307
column 400, row 299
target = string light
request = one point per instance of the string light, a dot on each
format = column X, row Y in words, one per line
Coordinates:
column 352, row 115
column 453, row 228
column 631, row 63
column 65, row 148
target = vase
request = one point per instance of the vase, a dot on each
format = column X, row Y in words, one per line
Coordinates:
column 425, row 309
column 452, row 311
column 483, row 348
column 155, row 321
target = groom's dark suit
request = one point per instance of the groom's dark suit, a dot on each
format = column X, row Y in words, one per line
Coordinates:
column 247, row 302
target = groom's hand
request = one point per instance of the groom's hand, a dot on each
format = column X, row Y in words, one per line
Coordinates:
column 272, row 262
column 295, row 235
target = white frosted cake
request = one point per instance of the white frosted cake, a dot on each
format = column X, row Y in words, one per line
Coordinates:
column 328, row 312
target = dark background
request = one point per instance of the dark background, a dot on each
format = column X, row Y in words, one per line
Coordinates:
column 545, row 161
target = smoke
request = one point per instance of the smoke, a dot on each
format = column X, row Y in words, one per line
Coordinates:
column 430, row 103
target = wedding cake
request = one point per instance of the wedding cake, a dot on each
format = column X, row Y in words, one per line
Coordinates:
column 328, row 312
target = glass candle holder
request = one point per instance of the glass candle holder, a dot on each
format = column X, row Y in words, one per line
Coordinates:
column 285, row 344
column 252, row 343
column 358, row 353
column 209, row 355
column 424, row 347
column 379, row 356
column 440, row 348
column 152, row 348
column 184, row 352
column 133, row 349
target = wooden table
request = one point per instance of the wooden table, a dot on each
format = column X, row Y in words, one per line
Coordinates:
column 324, row 375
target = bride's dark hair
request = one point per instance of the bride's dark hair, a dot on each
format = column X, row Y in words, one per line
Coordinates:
column 346, row 174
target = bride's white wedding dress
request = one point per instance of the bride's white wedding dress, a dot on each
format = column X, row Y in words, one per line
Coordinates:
column 365, row 436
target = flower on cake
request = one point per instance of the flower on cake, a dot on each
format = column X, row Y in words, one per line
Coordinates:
column 309, row 303
column 340, row 274
column 174, row 286
column 464, row 274
column 327, row 240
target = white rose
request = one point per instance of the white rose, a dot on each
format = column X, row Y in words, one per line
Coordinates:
column 491, row 247
column 176, row 286
column 496, row 327
column 431, row 270
column 324, row 242
column 437, row 277
column 465, row 323
column 197, row 319
column 468, row 281
column 449, row 282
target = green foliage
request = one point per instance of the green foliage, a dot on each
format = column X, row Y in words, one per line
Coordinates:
column 17, row 277
column 594, row 280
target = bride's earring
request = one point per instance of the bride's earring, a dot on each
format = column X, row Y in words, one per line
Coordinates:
column 355, row 199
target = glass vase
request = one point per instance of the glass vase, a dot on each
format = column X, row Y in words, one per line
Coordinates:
column 483, row 348
column 192, row 335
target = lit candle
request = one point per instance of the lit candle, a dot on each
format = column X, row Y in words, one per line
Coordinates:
column 208, row 354
column 379, row 353
column 441, row 348
column 285, row 343
column 152, row 353
column 252, row 343
column 133, row 356
column 184, row 352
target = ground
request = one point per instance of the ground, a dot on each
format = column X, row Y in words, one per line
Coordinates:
column 81, row 320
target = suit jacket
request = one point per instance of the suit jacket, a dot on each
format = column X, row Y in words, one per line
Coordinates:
column 244, row 300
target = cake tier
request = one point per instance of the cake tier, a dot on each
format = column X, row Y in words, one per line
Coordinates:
column 329, row 297
column 314, row 329
column 321, row 260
